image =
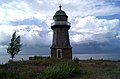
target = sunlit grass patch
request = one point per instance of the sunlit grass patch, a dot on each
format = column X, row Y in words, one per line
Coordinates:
column 62, row 70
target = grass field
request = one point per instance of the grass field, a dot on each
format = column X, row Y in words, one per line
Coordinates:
column 34, row 68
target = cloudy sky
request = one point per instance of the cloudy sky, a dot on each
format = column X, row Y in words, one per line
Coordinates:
column 95, row 24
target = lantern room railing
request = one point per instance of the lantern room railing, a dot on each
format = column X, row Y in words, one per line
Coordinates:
column 60, row 23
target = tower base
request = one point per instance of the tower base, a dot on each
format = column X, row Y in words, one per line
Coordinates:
column 64, row 53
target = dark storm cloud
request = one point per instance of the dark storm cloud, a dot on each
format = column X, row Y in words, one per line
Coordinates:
column 101, row 43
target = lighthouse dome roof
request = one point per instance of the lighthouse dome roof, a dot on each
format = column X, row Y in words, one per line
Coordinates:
column 60, row 12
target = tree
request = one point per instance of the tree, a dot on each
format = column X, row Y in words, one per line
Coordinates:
column 14, row 46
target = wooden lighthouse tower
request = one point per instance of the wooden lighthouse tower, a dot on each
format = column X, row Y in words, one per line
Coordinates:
column 61, row 47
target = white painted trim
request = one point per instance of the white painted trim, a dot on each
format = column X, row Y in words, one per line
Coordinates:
column 60, row 53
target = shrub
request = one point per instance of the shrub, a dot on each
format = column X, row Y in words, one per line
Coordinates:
column 62, row 70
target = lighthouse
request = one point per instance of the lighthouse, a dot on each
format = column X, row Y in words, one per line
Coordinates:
column 61, row 47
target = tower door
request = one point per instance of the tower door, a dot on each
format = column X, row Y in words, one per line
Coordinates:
column 59, row 53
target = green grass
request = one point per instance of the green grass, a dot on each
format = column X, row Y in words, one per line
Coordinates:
column 47, row 68
column 62, row 70
column 7, row 74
